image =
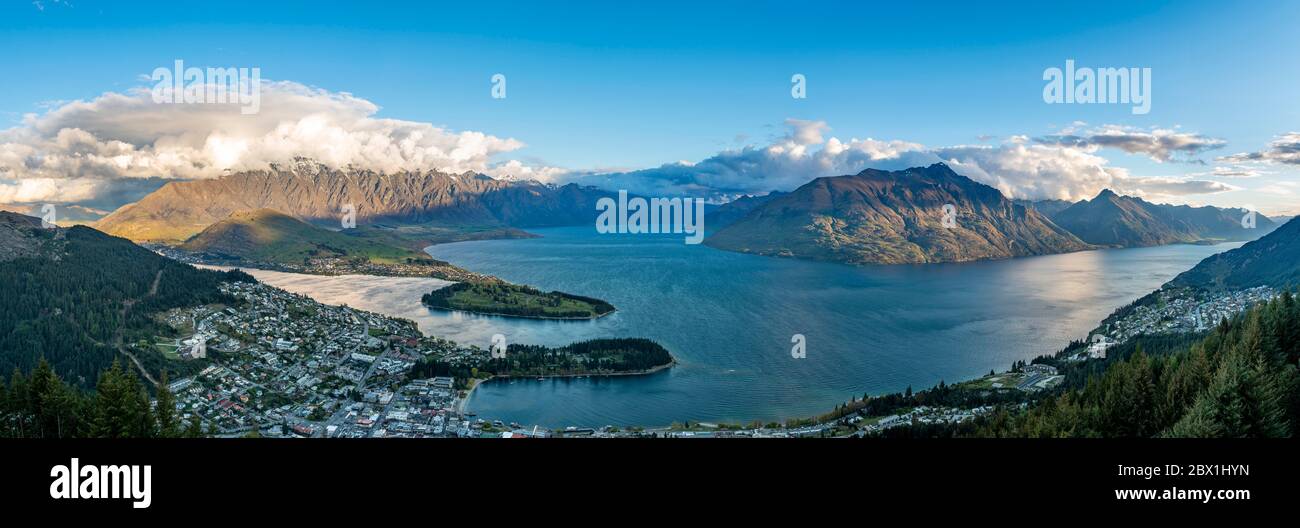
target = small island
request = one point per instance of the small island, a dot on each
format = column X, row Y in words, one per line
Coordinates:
column 513, row 300
column 596, row 357
column 270, row 240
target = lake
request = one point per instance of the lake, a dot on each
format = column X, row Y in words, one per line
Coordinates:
column 729, row 319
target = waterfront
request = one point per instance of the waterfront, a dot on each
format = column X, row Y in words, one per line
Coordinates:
column 729, row 318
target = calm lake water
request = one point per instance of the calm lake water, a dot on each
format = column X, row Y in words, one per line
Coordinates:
column 729, row 318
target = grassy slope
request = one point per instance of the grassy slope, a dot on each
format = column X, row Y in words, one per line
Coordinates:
column 269, row 236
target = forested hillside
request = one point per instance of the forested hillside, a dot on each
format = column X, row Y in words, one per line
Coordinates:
column 1239, row 381
column 42, row 405
column 70, row 295
column 1269, row 261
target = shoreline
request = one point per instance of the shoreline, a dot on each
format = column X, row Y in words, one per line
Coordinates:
column 282, row 269
column 461, row 403
column 538, row 317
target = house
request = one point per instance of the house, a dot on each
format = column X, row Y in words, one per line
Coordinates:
column 1038, row 368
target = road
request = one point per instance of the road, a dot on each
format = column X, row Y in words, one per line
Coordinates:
column 117, row 336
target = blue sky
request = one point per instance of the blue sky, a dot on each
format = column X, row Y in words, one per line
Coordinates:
column 602, row 86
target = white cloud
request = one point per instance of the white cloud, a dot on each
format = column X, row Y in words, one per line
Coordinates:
column 1160, row 144
column 1018, row 167
column 121, row 145
column 1235, row 171
column 517, row 170
column 1033, row 171
column 791, row 160
column 1282, row 188
column 34, row 190
column 127, row 136
column 1284, row 149
column 1168, row 188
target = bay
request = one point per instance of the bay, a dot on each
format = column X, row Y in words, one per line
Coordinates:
column 729, row 319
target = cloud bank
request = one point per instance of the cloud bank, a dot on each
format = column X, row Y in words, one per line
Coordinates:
column 1285, row 149
column 1065, row 166
column 1158, row 144
column 115, row 148
column 85, row 149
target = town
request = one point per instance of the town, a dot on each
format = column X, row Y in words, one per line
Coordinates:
column 1176, row 311
column 283, row 364
column 279, row 364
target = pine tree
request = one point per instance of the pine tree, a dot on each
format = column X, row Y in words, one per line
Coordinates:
column 5, row 413
column 195, row 428
column 168, row 423
column 145, row 425
column 39, row 385
column 1245, row 400
column 18, row 403
column 116, row 404
column 1128, row 401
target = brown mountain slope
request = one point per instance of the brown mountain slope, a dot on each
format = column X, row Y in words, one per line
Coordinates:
column 317, row 193
column 894, row 218
column 1126, row 221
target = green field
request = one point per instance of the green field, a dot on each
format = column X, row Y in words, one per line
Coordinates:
column 169, row 352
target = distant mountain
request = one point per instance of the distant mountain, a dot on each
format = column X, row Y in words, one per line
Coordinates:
column 318, row 194
column 1047, row 207
column 64, row 214
column 1125, row 221
column 19, row 237
column 1272, row 260
column 728, row 213
column 270, row 236
column 893, row 218
column 76, row 296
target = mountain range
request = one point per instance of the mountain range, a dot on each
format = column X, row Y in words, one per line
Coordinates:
column 874, row 217
column 728, row 213
column 1272, row 260
column 1048, row 207
column 896, row 217
column 319, row 194
column 1113, row 220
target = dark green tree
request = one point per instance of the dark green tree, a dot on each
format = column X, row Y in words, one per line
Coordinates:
column 168, row 422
